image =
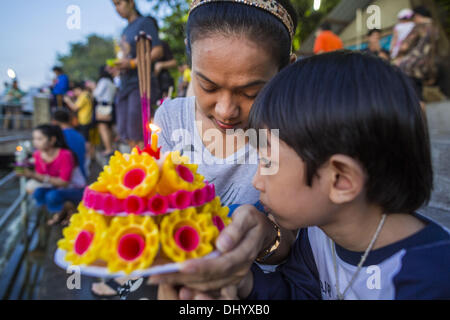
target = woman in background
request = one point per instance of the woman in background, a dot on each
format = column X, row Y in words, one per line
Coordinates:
column 57, row 173
column 104, row 94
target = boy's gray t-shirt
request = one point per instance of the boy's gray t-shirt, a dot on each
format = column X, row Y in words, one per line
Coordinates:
column 232, row 176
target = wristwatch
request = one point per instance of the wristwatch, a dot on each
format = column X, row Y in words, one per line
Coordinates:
column 268, row 252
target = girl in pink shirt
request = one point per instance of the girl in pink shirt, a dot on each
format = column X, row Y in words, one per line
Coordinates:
column 56, row 168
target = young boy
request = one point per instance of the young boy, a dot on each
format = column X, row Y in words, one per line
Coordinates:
column 353, row 166
column 83, row 107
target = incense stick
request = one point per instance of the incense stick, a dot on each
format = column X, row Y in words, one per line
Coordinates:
column 139, row 65
column 143, row 55
column 148, row 72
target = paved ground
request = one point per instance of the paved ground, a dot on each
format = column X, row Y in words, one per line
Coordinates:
column 438, row 115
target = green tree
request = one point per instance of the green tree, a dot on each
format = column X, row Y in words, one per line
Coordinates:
column 308, row 18
column 174, row 15
column 85, row 58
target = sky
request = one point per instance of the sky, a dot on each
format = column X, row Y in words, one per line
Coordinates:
column 33, row 32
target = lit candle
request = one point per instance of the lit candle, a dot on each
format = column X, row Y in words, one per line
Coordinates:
column 154, row 136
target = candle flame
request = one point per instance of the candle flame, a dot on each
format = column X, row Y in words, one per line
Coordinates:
column 19, row 148
column 154, row 128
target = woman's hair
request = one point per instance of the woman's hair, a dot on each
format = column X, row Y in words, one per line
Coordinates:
column 103, row 73
column 356, row 105
column 232, row 18
column 55, row 131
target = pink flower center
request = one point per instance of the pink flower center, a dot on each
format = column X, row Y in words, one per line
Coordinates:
column 134, row 204
column 83, row 242
column 131, row 246
column 187, row 238
column 134, row 178
column 182, row 199
column 185, row 173
column 199, row 197
column 158, row 204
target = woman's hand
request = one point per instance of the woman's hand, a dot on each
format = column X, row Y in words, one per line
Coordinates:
column 158, row 68
column 240, row 242
column 67, row 99
column 27, row 173
column 123, row 64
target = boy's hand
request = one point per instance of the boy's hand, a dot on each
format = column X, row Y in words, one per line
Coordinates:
column 239, row 243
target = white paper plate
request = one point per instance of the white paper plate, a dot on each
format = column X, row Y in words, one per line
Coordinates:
column 101, row 272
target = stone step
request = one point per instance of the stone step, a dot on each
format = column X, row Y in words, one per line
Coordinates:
column 440, row 148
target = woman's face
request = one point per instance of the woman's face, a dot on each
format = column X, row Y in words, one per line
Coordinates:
column 124, row 8
column 227, row 74
column 40, row 141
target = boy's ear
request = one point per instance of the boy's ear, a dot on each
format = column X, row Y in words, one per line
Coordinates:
column 347, row 179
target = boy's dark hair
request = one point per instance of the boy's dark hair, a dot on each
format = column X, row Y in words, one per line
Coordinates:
column 371, row 31
column 356, row 105
column 61, row 116
column 230, row 18
column 422, row 11
column 325, row 26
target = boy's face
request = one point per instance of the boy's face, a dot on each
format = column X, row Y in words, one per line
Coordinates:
column 286, row 194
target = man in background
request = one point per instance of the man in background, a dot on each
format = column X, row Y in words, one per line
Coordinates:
column 73, row 138
column 374, row 46
column 326, row 40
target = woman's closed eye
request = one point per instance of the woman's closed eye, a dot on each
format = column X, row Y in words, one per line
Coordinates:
column 250, row 96
column 209, row 88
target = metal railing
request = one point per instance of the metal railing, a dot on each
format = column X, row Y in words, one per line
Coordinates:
column 16, row 265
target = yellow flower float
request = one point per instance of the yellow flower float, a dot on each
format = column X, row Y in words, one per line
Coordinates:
column 186, row 235
column 143, row 211
column 178, row 174
column 83, row 239
column 129, row 174
column 133, row 243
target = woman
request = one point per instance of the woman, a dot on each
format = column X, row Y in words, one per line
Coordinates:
column 235, row 48
column 104, row 94
column 129, row 121
column 57, row 171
